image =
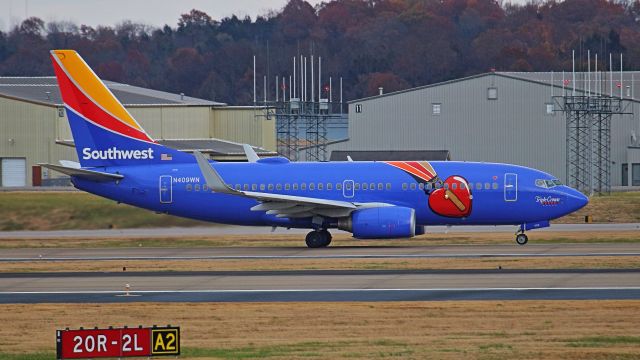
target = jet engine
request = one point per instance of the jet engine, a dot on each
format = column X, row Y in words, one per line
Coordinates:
column 380, row 223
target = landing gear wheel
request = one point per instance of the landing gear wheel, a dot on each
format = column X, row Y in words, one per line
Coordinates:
column 521, row 239
column 318, row 239
column 327, row 237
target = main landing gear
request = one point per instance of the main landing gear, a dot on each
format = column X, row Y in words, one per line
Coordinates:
column 318, row 239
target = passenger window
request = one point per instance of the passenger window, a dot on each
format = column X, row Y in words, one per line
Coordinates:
column 270, row 187
column 478, row 186
column 454, row 186
column 295, row 186
column 463, row 186
column 303, row 186
column 405, row 186
column 312, row 186
column 278, row 187
column 320, row 186
column 357, row 186
column 487, row 186
column 238, row 187
column 421, row 186
column 437, row 185
column 380, row 187
column 348, row 186
column 261, row 187
column 196, row 187
column 388, row 186
column 254, row 187
column 429, row 186
column 206, row 188
column 338, row 186
column 287, row 186
column 246, row 187
column 365, row 186
column 372, row 186
column 446, row 186
column 188, row 187
column 495, row 186
column 329, row 186
column 413, row 186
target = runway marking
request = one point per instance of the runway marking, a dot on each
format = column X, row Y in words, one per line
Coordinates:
column 306, row 257
column 222, row 291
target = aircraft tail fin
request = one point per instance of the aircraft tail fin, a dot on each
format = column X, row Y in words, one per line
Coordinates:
column 104, row 132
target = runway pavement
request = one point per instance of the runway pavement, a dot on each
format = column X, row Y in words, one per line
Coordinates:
column 341, row 252
column 248, row 230
column 343, row 285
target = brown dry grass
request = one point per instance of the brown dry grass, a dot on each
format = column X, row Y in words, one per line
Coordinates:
column 619, row 207
column 417, row 330
column 297, row 240
column 569, row 262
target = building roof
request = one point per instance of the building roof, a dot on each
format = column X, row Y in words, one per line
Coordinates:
column 391, row 155
column 629, row 78
column 212, row 146
column 217, row 149
column 44, row 90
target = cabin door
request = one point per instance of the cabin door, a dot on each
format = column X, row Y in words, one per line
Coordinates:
column 166, row 190
column 510, row 187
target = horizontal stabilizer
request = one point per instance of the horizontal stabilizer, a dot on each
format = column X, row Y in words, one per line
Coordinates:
column 84, row 173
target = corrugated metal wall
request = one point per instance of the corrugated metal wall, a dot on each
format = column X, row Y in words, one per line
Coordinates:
column 29, row 131
column 514, row 128
column 241, row 125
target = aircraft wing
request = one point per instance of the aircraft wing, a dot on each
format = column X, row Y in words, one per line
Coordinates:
column 279, row 204
column 84, row 173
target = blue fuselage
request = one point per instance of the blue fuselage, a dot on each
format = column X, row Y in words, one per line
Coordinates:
column 500, row 193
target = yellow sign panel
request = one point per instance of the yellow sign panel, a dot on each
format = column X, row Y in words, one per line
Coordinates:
column 165, row 341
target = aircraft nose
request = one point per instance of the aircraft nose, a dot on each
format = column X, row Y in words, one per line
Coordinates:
column 575, row 199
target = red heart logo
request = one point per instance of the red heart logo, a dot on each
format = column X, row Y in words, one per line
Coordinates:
column 450, row 200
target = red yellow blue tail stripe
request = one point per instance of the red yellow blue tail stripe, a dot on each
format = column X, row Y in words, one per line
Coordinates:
column 87, row 95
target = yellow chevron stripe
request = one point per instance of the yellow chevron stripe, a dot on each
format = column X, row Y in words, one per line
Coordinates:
column 93, row 87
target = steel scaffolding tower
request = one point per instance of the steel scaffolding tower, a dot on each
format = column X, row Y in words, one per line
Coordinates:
column 588, row 139
column 302, row 116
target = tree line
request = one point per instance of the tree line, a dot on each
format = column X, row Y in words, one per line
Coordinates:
column 395, row 44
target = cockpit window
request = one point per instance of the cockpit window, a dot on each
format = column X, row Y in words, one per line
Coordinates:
column 548, row 184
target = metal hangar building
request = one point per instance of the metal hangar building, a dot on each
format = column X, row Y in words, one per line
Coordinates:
column 34, row 128
column 507, row 117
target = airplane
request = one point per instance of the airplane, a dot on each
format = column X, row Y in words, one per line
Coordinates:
column 118, row 160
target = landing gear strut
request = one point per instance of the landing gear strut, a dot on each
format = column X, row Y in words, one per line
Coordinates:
column 521, row 237
column 318, row 239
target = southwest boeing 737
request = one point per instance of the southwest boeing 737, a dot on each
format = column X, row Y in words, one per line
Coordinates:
column 372, row 200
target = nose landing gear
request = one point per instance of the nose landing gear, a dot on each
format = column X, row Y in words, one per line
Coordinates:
column 318, row 238
column 521, row 238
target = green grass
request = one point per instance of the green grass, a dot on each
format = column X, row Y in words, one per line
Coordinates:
column 76, row 210
column 604, row 341
column 304, row 349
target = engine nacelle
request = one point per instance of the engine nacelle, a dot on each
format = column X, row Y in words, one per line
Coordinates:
column 380, row 223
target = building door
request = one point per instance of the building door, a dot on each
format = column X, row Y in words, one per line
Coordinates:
column 347, row 188
column 510, row 187
column 14, row 172
column 166, row 189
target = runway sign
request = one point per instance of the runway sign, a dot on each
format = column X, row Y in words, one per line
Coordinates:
column 118, row 342
column 165, row 341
